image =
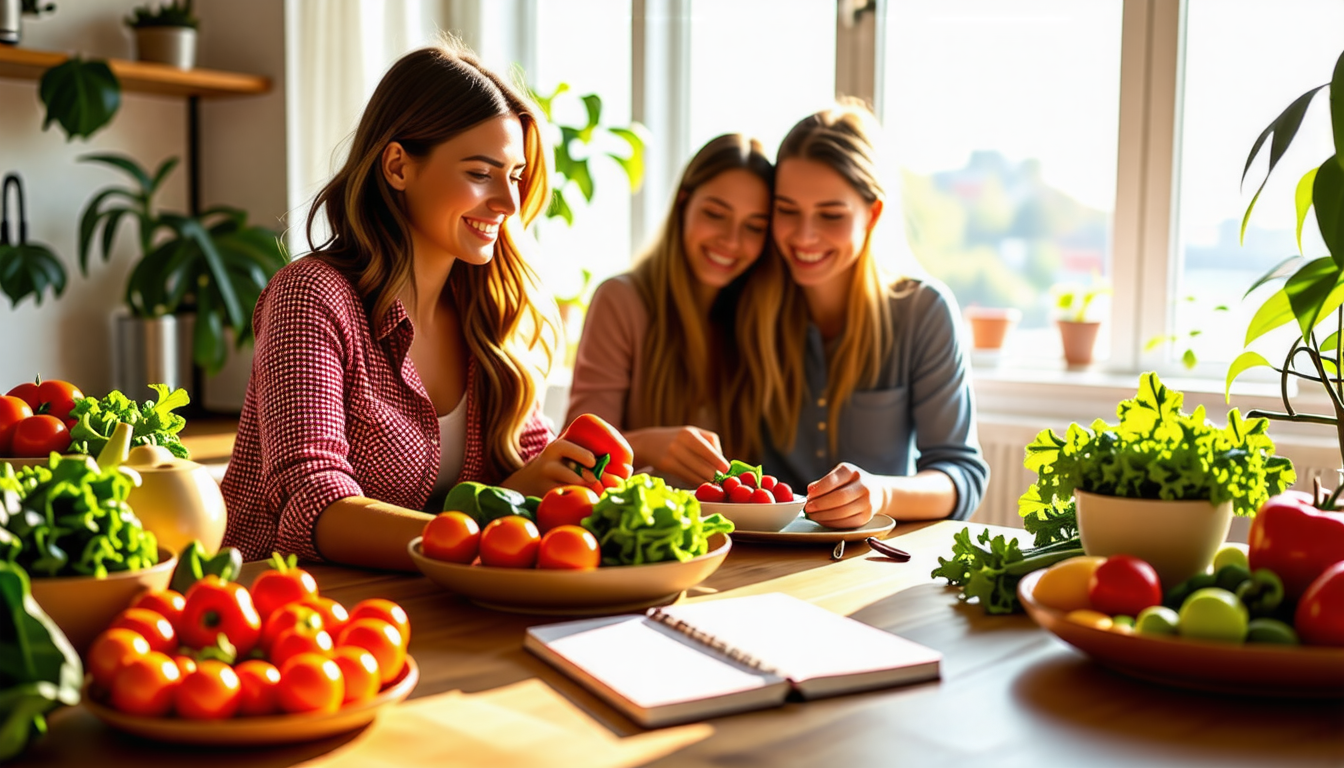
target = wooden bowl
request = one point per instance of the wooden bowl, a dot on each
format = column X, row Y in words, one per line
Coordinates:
column 83, row 606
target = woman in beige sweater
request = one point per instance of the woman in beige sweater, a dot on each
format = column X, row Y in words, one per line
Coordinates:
column 675, row 352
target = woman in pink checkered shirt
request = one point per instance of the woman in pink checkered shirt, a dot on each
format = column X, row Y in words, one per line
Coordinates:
column 408, row 351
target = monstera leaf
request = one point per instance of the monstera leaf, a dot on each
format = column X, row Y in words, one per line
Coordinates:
column 80, row 95
column 29, row 269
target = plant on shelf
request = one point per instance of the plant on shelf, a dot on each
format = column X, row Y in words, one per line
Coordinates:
column 177, row 13
column 165, row 33
column 213, row 265
column 26, row 269
column 1312, row 296
column 1077, row 329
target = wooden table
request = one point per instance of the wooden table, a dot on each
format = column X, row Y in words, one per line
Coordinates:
column 1010, row 694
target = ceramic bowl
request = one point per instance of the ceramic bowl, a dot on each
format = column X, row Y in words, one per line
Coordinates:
column 83, row 606
column 1178, row 538
column 756, row 517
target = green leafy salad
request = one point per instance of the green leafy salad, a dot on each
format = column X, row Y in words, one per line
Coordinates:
column 643, row 520
column 153, row 421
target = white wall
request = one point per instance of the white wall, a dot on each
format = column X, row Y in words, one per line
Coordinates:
column 242, row 164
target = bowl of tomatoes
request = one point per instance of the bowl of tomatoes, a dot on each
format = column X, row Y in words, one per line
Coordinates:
column 752, row 502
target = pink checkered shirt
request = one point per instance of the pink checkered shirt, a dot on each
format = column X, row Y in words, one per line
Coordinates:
column 334, row 410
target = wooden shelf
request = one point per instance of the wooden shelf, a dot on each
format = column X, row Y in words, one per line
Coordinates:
column 140, row 76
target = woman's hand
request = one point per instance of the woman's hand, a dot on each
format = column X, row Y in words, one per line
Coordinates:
column 847, row 497
column 552, row 467
column 690, row 453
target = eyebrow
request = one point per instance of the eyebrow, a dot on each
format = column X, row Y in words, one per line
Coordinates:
column 726, row 204
column 826, row 204
column 490, row 161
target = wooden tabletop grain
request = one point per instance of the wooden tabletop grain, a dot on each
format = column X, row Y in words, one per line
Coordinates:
column 1010, row 694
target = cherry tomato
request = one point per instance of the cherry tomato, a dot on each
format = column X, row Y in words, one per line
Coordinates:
column 165, row 602
column 111, row 651
column 292, row 642
column 281, row 586
column 768, row 482
column 569, row 547
column 360, row 670
column 212, row 692
column 729, row 483
column 334, row 616
column 216, row 607
column 12, row 411
column 379, row 638
column 260, row 687
column 1123, row 586
column 747, row 479
column 310, row 683
column 1320, row 612
column 510, row 542
column 289, row 617
column 39, row 435
column 710, row 492
column 451, row 536
column 145, row 685
column 185, row 664
column 762, row 496
column 54, row 397
column 565, row 505
column 782, row 493
column 149, row 625
column 378, row 608
column 741, row 494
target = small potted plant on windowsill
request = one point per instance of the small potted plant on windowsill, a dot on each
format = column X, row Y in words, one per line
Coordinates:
column 990, row 325
column 1077, row 328
column 165, row 33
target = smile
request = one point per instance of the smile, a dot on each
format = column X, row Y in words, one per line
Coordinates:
column 809, row 257
column 719, row 259
column 488, row 229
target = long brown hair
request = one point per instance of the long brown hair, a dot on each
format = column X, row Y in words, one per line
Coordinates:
column 721, row 360
column 428, row 97
column 841, row 137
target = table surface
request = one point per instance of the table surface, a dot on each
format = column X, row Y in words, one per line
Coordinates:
column 1010, row 695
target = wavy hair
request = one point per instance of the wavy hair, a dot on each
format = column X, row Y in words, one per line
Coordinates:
column 841, row 137
column 685, row 353
column 510, row 324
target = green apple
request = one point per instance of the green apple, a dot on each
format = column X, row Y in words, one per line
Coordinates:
column 1156, row 620
column 1212, row 613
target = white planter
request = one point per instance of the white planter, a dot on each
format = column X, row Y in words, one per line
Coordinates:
column 1178, row 538
column 175, row 46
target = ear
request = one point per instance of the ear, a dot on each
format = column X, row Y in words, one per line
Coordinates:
column 395, row 164
column 874, row 213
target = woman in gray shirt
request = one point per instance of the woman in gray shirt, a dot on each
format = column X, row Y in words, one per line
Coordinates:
column 875, row 414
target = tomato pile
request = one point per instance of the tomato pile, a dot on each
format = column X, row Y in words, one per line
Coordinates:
column 222, row 650
column 35, row 418
column 744, row 484
column 555, row 540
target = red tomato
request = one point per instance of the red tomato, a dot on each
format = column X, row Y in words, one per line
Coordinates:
column 111, row 651
column 565, row 505
column 379, row 638
column 378, row 608
column 360, row 670
column 164, row 602
column 1320, row 612
column 260, row 684
column 12, row 411
column 451, row 536
column 212, row 692
column 729, row 483
column 37, row 436
column 782, row 493
column 510, row 542
column 144, row 686
column 768, row 482
column 762, row 496
column 293, row 642
column 747, row 479
column 569, row 547
column 156, row 630
column 741, row 494
column 281, row 586
column 216, row 607
column 1123, row 586
column 310, row 683
column 710, row 492
column 291, row 616
column 55, row 397
column 185, row 664
column 334, row 616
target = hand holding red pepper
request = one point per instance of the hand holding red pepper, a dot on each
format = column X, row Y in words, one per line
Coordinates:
column 1295, row 540
column 615, row 459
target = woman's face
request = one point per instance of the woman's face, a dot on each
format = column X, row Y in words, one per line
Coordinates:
column 724, row 226
column 820, row 221
column 458, row 195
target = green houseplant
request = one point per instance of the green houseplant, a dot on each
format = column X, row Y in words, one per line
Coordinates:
column 165, row 33
column 213, row 266
column 1312, row 296
column 80, row 96
column 1077, row 329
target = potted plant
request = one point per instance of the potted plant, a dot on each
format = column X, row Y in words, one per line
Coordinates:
column 165, row 33
column 1312, row 295
column 990, row 325
column 1161, row 484
column 197, row 278
column 1077, row 329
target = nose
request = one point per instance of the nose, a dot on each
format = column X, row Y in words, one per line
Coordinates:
column 505, row 198
column 806, row 231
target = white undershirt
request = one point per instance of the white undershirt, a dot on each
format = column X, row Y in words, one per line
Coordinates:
column 452, row 445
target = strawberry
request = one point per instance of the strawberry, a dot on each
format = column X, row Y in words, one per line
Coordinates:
column 747, row 479
column 729, row 483
column 782, row 492
column 710, row 492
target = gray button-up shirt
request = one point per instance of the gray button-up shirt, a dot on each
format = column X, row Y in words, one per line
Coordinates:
column 921, row 414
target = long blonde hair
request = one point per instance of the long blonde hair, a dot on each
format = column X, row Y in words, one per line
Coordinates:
column 721, row 360
column 841, row 137
column 428, row 97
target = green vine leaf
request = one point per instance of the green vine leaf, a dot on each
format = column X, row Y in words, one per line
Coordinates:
column 1327, row 197
column 1302, row 197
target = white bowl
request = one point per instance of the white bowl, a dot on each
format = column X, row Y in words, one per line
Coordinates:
column 756, row 517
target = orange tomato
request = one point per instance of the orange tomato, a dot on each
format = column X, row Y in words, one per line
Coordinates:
column 510, row 542
column 293, row 642
column 212, row 692
column 310, row 683
column 281, row 586
column 111, row 651
column 360, row 670
column 289, row 617
column 565, row 505
column 185, row 664
column 451, row 536
column 165, row 602
column 334, row 616
column 145, row 685
column 378, row 608
column 150, row 625
column 260, row 684
column 379, row 638
column 569, row 547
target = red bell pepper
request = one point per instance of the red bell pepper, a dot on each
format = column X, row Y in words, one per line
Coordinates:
column 1295, row 540
column 216, row 607
column 613, row 452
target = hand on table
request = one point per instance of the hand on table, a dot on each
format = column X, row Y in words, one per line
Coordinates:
column 847, row 497
column 690, row 453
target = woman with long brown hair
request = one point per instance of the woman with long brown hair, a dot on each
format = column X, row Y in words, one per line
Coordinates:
column 406, row 352
column 675, row 352
column 875, row 413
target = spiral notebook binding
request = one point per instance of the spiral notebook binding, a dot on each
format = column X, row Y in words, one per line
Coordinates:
column 710, row 641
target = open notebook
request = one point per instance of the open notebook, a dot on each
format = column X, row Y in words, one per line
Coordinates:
column 689, row 662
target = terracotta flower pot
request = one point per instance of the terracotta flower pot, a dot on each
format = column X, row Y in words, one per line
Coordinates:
column 1079, row 339
column 990, row 325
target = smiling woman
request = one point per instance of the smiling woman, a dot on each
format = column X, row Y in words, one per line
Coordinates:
column 399, row 357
